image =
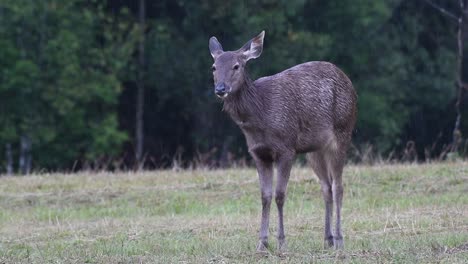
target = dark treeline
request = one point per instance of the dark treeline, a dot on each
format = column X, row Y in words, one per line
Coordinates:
column 70, row 72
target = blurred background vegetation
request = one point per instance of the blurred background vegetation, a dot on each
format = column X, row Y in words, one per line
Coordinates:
column 74, row 73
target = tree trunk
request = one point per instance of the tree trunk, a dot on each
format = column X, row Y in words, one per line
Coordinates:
column 25, row 155
column 9, row 159
column 139, row 134
column 456, row 135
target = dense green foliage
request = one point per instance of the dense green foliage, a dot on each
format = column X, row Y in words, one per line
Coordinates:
column 68, row 73
column 59, row 79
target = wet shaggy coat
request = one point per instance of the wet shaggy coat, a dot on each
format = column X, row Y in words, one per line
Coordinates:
column 305, row 108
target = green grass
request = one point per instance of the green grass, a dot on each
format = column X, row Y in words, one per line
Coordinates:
column 391, row 214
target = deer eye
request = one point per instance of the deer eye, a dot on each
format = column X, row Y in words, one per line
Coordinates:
column 213, row 68
column 236, row 67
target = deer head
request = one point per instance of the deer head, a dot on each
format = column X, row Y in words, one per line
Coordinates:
column 229, row 67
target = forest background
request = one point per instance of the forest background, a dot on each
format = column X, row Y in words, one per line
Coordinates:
column 122, row 84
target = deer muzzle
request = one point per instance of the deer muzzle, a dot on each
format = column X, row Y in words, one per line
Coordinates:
column 221, row 90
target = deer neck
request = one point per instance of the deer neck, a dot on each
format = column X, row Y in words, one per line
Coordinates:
column 247, row 104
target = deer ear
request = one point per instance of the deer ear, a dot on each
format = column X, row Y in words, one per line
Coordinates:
column 254, row 47
column 215, row 47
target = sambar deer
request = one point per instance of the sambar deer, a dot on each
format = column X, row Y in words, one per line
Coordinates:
column 309, row 108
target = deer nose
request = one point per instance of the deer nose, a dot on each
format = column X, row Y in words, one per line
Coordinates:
column 220, row 89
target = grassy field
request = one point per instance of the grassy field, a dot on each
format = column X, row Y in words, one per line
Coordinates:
column 392, row 214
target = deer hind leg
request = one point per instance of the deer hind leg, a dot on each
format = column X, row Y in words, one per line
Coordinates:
column 336, row 168
column 337, row 189
column 319, row 165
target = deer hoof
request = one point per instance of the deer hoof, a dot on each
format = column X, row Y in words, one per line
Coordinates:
column 262, row 247
column 338, row 243
column 282, row 246
column 328, row 242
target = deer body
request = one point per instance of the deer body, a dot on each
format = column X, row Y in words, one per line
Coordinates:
column 309, row 108
column 294, row 110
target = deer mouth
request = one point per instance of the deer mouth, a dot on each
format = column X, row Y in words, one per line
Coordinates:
column 222, row 90
column 222, row 95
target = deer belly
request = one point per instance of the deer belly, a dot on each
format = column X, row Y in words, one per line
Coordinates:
column 308, row 142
